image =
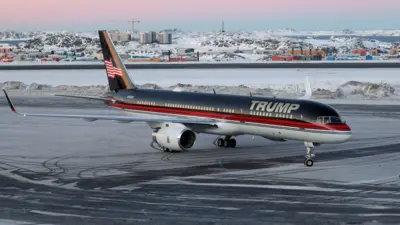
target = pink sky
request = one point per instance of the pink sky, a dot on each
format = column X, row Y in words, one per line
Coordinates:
column 40, row 12
column 47, row 10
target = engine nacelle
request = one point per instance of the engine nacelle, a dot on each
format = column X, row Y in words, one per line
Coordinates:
column 175, row 137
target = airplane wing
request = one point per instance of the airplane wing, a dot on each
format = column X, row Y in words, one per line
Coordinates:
column 308, row 89
column 86, row 97
column 111, row 117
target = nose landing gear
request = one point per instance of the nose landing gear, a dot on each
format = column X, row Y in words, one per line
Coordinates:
column 310, row 153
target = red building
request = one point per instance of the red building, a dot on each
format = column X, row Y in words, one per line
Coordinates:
column 5, row 49
column 284, row 58
column 361, row 52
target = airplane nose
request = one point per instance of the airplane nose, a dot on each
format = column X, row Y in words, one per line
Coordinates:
column 344, row 131
column 349, row 132
column 347, row 128
column 347, row 136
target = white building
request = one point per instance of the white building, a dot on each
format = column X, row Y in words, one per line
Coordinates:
column 164, row 38
column 120, row 36
column 114, row 35
column 145, row 38
column 153, row 36
column 124, row 36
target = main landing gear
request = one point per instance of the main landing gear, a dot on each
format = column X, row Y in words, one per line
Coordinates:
column 227, row 142
column 310, row 149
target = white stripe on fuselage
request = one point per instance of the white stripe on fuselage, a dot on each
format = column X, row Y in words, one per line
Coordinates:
column 231, row 127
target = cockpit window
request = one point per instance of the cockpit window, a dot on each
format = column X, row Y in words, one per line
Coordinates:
column 329, row 120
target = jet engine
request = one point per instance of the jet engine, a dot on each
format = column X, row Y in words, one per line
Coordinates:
column 174, row 137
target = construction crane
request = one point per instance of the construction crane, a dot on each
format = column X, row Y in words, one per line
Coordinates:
column 133, row 21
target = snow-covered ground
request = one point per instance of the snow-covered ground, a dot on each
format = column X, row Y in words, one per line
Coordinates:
column 14, row 222
column 339, row 85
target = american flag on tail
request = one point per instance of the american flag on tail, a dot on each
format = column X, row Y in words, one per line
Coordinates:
column 111, row 70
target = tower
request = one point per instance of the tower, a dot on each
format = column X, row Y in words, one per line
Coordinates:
column 133, row 21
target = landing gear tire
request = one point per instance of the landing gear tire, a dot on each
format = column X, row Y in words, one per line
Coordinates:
column 231, row 143
column 226, row 143
column 221, row 142
column 166, row 150
column 308, row 162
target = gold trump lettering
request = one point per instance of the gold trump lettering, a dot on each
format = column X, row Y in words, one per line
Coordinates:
column 277, row 107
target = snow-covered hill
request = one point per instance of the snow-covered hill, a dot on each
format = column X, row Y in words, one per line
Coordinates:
column 215, row 43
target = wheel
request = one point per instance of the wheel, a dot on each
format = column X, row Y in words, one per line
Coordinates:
column 309, row 162
column 220, row 142
column 232, row 143
column 166, row 150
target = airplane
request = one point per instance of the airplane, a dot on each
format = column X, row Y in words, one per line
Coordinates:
column 176, row 117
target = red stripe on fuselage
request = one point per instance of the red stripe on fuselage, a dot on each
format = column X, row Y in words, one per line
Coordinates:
column 233, row 117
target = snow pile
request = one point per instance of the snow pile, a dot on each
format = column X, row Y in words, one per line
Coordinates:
column 350, row 89
column 236, row 90
column 35, row 86
column 13, row 85
column 364, row 90
column 18, row 85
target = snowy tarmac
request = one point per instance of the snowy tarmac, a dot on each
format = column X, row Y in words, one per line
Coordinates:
column 77, row 172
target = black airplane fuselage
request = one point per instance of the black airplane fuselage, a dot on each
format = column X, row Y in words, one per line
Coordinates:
column 302, row 113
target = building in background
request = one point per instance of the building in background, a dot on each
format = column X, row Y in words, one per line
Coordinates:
column 360, row 51
column 124, row 37
column 153, row 36
column 145, row 38
column 5, row 49
column 302, row 51
column 148, row 37
column 164, row 38
column 120, row 36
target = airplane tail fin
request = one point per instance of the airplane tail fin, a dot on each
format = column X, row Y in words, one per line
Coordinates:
column 118, row 78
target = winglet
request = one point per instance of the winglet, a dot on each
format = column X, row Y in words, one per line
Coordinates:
column 9, row 102
column 307, row 86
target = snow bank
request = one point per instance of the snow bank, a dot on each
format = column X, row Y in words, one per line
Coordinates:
column 362, row 89
column 349, row 89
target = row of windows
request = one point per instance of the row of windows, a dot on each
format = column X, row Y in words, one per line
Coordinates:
column 182, row 106
column 277, row 115
column 146, row 103
column 204, row 108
